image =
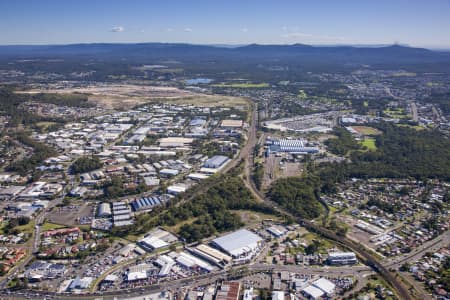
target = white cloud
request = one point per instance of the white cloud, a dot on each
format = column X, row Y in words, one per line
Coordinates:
column 118, row 29
column 296, row 35
column 187, row 29
column 169, row 29
column 245, row 30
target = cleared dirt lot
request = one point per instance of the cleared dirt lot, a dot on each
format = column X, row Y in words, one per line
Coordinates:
column 126, row 96
column 69, row 215
column 274, row 170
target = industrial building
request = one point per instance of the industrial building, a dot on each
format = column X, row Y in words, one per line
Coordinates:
column 189, row 261
column 342, row 258
column 176, row 189
column 146, row 203
column 139, row 272
column 232, row 124
column 175, row 142
column 239, row 244
column 198, row 176
column 215, row 162
column 156, row 239
column 276, row 231
column 197, row 122
column 319, row 288
column 166, row 263
column 228, row 291
column 152, row 243
column 211, row 255
column 121, row 214
column 168, row 172
column 289, row 146
column 104, row 210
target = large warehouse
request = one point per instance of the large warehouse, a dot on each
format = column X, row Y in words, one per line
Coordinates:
column 239, row 244
column 104, row 210
column 216, row 162
column 290, row 146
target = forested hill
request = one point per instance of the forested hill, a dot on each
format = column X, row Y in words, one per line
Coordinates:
column 335, row 54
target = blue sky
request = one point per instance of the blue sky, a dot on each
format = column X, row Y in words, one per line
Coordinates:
column 423, row 23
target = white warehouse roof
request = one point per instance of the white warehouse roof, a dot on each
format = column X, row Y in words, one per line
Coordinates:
column 238, row 242
column 325, row 285
column 313, row 292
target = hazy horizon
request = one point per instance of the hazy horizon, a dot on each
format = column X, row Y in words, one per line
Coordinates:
column 324, row 22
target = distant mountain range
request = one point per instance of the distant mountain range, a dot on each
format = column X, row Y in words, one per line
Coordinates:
column 298, row 52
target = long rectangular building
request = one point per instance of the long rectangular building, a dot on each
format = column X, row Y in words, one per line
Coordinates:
column 342, row 258
column 239, row 243
column 290, row 146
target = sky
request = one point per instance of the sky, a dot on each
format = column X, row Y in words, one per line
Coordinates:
column 424, row 23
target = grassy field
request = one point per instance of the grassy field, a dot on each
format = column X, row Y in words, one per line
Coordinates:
column 369, row 143
column 50, row 226
column 245, row 85
column 396, row 113
column 324, row 244
column 416, row 127
column 365, row 130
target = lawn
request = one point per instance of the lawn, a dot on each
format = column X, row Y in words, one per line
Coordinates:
column 50, row 226
column 369, row 143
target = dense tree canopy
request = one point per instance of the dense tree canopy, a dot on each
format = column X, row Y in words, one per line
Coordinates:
column 207, row 213
column 401, row 152
column 86, row 164
column 343, row 143
column 298, row 195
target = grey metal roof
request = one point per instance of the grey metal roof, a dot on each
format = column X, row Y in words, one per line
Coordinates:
column 237, row 240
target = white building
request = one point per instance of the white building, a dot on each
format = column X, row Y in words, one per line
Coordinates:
column 239, row 244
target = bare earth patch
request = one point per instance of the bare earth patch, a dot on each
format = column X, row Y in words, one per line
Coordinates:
column 126, row 96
